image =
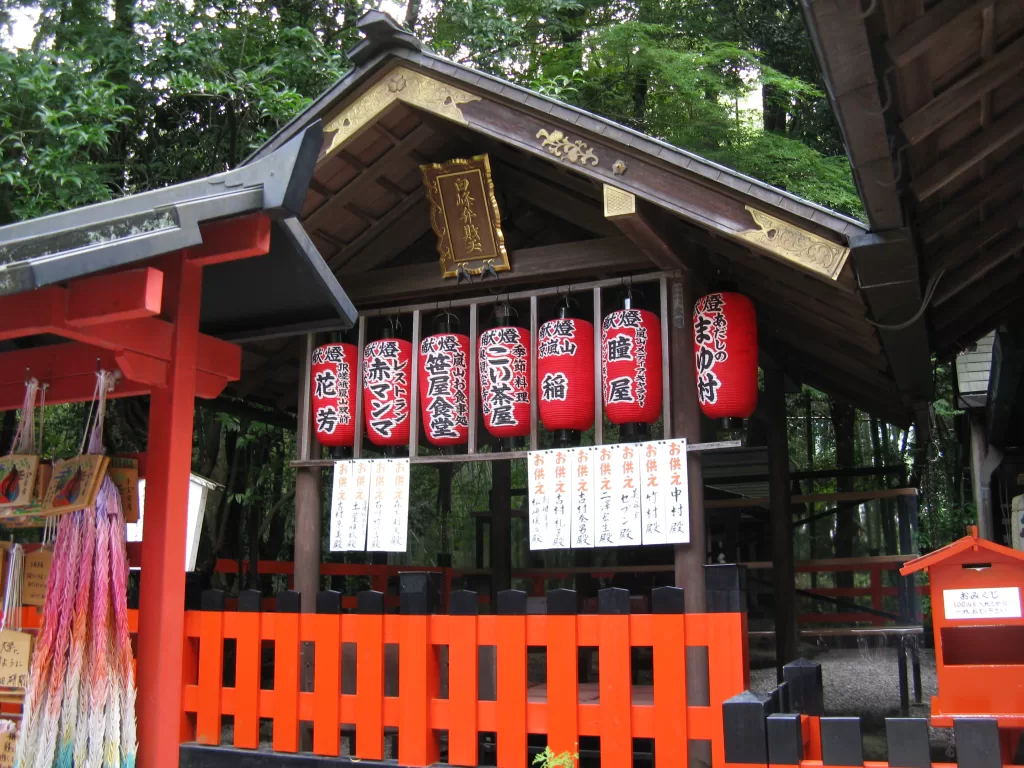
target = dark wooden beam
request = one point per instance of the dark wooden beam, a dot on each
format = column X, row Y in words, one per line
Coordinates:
column 970, row 311
column 917, row 38
column 965, row 92
column 969, row 152
column 1007, row 218
column 952, row 214
column 887, row 267
column 583, row 213
column 982, row 264
column 547, row 264
column 635, row 219
column 354, row 188
column 409, row 223
column 386, row 223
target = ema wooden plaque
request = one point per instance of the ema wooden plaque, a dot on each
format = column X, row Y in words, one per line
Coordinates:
column 464, row 215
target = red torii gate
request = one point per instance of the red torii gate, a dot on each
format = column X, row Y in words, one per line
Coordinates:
column 136, row 307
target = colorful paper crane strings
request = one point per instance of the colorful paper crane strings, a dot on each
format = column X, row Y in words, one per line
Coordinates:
column 80, row 701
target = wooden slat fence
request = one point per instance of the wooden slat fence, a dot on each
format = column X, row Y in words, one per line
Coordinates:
column 615, row 708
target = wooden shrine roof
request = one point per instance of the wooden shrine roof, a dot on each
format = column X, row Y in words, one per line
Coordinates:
column 930, row 98
column 403, row 106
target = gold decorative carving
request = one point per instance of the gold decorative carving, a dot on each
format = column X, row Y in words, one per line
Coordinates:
column 618, row 202
column 404, row 85
column 795, row 244
column 465, row 217
column 619, row 167
column 560, row 145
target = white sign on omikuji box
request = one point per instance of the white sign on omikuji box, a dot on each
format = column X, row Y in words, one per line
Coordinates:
column 618, row 495
column 370, row 506
column 990, row 603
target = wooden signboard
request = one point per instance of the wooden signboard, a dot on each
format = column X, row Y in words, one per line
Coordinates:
column 15, row 655
column 37, row 574
column 125, row 474
column 465, row 217
column 74, row 484
column 8, row 738
column 17, row 480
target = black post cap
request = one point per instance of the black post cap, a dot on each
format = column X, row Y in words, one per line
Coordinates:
column 250, row 601
column 289, row 601
column 725, row 576
column 212, row 600
column 841, row 741
column 511, row 602
column 562, row 602
column 746, row 733
column 785, row 740
column 977, row 742
column 613, row 600
column 463, row 602
column 806, row 690
column 907, row 741
column 328, row 601
column 784, row 701
column 370, row 601
column 668, row 600
column 419, row 593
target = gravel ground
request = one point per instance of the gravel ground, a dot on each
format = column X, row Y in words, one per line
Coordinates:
column 864, row 681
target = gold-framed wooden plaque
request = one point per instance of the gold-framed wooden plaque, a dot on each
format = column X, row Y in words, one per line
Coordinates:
column 465, row 217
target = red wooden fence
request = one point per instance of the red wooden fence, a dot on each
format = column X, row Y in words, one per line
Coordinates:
column 613, row 709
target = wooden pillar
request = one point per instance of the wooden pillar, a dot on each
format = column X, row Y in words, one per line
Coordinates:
column 162, row 589
column 689, row 558
column 783, row 571
column 984, row 460
column 307, row 491
column 501, row 527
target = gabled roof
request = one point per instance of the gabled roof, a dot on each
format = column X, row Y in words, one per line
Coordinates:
column 968, row 544
column 582, row 198
column 929, row 99
column 288, row 286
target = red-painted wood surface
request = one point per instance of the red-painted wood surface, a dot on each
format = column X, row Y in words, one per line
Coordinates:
column 614, row 710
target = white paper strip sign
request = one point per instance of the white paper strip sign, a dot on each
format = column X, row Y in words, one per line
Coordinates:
column 560, row 518
column 388, row 526
column 606, row 491
column 655, row 494
column 584, row 485
column 678, row 487
column 539, row 485
column 626, row 512
column 341, row 512
column 358, row 505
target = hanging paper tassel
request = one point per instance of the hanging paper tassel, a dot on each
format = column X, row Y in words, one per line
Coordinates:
column 80, row 702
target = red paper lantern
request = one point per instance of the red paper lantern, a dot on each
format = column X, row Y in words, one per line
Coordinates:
column 725, row 344
column 444, row 388
column 505, row 381
column 386, row 391
column 631, row 366
column 565, row 374
column 333, row 386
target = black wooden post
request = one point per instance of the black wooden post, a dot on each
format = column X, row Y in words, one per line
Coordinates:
column 501, row 526
column 783, row 570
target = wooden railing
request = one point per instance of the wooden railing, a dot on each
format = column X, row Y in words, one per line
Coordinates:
column 562, row 708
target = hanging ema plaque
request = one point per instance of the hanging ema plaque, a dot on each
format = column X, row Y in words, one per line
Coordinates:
column 465, row 217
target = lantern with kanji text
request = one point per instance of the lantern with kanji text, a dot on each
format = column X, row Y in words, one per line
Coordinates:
column 565, row 376
column 444, row 385
column 504, row 358
column 725, row 346
column 386, row 374
column 333, row 394
column 631, row 367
